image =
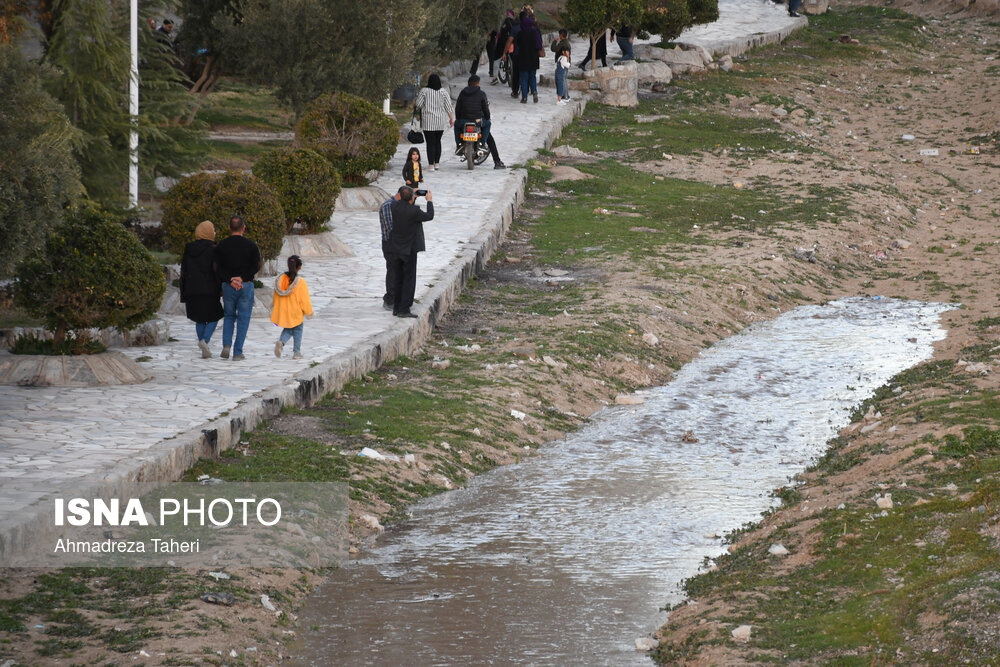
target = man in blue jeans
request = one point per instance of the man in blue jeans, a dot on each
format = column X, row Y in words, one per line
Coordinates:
column 237, row 261
column 625, row 43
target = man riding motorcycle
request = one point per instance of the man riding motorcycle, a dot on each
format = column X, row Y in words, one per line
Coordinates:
column 473, row 105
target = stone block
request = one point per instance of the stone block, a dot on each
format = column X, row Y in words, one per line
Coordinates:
column 681, row 62
column 653, row 71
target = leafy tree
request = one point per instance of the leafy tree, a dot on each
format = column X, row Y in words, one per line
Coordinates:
column 457, row 29
column 307, row 48
column 593, row 17
column 92, row 273
column 205, row 34
column 12, row 13
column 92, row 60
column 667, row 18
column 166, row 146
column 38, row 174
column 703, row 11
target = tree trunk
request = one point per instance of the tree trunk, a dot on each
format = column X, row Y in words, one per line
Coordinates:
column 59, row 335
column 205, row 72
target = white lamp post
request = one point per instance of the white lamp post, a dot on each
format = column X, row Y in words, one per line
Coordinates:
column 133, row 108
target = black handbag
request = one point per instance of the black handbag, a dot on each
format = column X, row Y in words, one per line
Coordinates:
column 415, row 136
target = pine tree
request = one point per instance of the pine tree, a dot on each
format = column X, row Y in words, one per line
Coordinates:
column 92, row 60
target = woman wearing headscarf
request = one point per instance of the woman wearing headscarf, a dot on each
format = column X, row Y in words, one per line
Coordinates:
column 201, row 291
column 436, row 115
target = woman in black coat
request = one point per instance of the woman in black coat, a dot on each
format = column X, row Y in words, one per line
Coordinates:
column 529, row 43
column 201, row 291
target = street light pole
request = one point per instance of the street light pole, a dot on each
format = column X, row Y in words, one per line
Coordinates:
column 133, row 107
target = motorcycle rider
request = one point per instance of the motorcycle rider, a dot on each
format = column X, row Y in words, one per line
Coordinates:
column 473, row 105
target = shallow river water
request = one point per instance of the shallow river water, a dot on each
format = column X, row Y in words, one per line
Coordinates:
column 568, row 558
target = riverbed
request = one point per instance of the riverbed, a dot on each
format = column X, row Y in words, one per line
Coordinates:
column 570, row 556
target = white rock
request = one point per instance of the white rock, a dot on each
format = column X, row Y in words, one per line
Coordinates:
column 627, row 399
column 726, row 63
column 440, row 364
column 650, row 339
column 266, row 601
column 902, row 244
column 233, row 653
column 742, row 633
column 218, row 575
column 646, row 644
column 142, row 654
column 779, row 112
column 517, row 414
column 568, row 151
column 549, row 361
column 884, row 502
column 410, row 459
column 778, row 549
column 372, row 522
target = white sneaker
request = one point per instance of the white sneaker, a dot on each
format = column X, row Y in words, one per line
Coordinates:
column 205, row 352
column 296, row 355
column 278, row 346
column 561, row 103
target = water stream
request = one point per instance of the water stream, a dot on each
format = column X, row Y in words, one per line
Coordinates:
column 568, row 558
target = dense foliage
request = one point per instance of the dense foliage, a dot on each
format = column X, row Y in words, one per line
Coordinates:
column 38, row 174
column 92, row 272
column 218, row 198
column 306, row 183
column 669, row 18
column 352, row 133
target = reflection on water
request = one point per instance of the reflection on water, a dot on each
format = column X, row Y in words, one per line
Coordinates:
column 568, row 558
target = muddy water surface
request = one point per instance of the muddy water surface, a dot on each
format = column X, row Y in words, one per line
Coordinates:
column 568, row 558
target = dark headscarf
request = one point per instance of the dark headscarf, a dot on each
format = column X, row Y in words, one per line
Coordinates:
column 434, row 82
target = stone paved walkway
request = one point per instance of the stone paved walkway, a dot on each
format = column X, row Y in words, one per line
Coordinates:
column 78, row 440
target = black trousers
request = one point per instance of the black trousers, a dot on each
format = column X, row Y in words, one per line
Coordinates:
column 515, row 76
column 388, row 298
column 433, row 138
column 405, row 273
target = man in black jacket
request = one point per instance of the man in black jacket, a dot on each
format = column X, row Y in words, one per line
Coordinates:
column 405, row 241
column 471, row 105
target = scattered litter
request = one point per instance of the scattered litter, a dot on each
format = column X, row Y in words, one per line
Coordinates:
column 410, row 459
column 974, row 150
column 370, row 453
column 689, row 437
column 884, row 502
column 372, row 522
column 266, row 601
column 233, row 653
column 517, row 414
column 933, row 152
column 226, row 599
column 142, row 654
column 908, row 137
column 440, row 364
column 218, row 575
column 778, row 549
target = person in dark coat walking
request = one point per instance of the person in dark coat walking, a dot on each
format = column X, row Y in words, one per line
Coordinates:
column 405, row 241
column 529, row 45
column 201, row 292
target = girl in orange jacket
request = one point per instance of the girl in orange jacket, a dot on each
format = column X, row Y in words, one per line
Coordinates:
column 291, row 304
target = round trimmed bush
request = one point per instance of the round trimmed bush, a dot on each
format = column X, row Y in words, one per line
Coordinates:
column 306, row 183
column 703, row 11
column 350, row 132
column 92, row 272
column 218, row 197
column 666, row 18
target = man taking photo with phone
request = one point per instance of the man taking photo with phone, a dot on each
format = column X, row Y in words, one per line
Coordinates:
column 405, row 241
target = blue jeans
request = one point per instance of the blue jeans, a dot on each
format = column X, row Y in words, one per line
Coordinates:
column 561, row 74
column 528, row 76
column 295, row 333
column 205, row 330
column 626, row 46
column 238, row 306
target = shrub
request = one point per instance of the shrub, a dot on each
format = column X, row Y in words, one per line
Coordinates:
column 92, row 272
column 217, row 198
column 306, row 183
column 350, row 132
column 668, row 18
column 703, row 11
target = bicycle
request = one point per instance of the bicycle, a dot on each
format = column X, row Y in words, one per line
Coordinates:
column 503, row 69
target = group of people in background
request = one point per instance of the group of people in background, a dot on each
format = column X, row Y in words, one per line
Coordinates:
column 217, row 282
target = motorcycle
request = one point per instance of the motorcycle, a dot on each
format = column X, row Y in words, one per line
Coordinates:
column 474, row 149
